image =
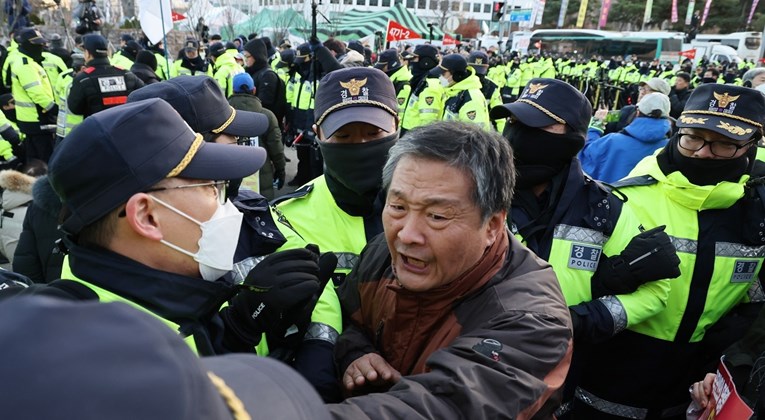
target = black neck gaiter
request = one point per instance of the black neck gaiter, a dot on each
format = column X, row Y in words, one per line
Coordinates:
column 354, row 172
column 538, row 154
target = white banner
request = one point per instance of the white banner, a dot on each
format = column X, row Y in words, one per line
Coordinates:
column 156, row 18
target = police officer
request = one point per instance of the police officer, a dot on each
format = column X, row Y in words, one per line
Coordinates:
column 99, row 85
column 478, row 60
column 126, row 56
column 300, row 116
column 463, row 99
column 148, row 224
column 67, row 119
column 35, row 102
column 191, row 63
column 356, row 122
column 699, row 186
column 224, row 66
column 390, row 63
column 425, row 102
column 573, row 222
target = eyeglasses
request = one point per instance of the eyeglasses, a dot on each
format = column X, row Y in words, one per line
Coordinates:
column 219, row 186
column 723, row 149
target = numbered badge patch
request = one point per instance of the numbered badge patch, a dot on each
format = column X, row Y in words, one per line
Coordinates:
column 112, row 84
column 584, row 257
column 744, row 271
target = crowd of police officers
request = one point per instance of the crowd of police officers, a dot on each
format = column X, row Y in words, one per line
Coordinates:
column 49, row 89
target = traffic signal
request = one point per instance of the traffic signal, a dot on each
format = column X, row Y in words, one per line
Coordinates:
column 497, row 9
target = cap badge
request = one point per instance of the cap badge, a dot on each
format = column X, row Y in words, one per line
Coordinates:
column 479, row 61
column 534, row 87
column 723, row 100
column 189, row 45
column 354, row 86
column 690, row 120
column 734, row 129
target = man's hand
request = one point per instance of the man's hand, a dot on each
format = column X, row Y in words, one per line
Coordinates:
column 369, row 370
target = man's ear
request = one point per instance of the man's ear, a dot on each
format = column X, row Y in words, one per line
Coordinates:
column 495, row 226
column 141, row 215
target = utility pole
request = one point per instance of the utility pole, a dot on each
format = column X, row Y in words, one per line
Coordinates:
column 502, row 22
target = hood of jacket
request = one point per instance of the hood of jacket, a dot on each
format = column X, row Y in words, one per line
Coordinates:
column 17, row 188
column 471, row 82
column 45, row 197
column 648, row 130
column 680, row 190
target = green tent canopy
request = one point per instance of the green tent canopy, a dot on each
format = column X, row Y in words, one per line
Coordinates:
column 267, row 18
column 355, row 23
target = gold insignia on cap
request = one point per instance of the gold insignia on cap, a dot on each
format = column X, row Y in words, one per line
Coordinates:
column 534, row 87
column 724, row 99
column 691, row 120
column 354, row 86
column 734, row 129
column 478, row 61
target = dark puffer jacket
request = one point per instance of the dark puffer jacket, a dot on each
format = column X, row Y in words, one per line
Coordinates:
column 37, row 256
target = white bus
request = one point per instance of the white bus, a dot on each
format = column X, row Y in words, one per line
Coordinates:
column 748, row 45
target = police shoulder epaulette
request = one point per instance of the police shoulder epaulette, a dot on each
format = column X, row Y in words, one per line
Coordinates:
column 24, row 60
column 298, row 193
column 635, row 181
column 88, row 70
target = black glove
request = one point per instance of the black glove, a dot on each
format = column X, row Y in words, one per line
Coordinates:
column 279, row 179
column 284, row 342
column 649, row 256
column 272, row 293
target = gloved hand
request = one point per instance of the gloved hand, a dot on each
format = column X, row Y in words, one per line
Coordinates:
column 272, row 294
column 283, row 342
column 279, row 177
column 649, row 256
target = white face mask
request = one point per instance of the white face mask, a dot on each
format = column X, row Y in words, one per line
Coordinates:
column 444, row 81
column 217, row 244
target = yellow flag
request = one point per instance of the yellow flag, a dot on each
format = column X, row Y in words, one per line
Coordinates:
column 582, row 13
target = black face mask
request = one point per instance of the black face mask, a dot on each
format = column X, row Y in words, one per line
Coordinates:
column 32, row 50
column 10, row 114
column 708, row 171
column 708, row 80
column 354, row 172
column 538, row 154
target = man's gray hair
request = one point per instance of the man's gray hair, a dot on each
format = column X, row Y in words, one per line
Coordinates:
column 485, row 155
column 752, row 73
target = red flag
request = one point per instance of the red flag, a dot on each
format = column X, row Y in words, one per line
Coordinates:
column 689, row 53
column 398, row 32
column 178, row 17
column 448, row 40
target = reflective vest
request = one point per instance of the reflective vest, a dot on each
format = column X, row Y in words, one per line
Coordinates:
column 464, row 101
column 317, row 218
column 106, row 296
column 120, row 61
column 53, row 66
column 31, row 89
column 401, row 79
column 177, row 69
column 67, row 119
column 425, row 106
column 590, row 223
column 226, row 68
column 163, row 70
column 726, row 261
